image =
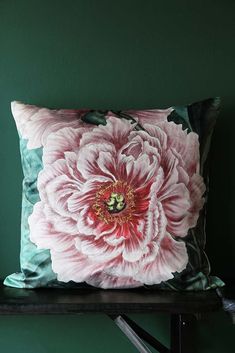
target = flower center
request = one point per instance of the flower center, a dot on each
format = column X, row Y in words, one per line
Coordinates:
column 114, row 202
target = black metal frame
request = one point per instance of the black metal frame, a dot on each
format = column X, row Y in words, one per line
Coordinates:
column 182, row 334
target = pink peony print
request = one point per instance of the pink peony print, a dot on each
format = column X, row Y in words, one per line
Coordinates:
column 35, row 123
column 116, row 202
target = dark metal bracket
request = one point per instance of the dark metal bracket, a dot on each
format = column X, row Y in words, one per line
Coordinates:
column 182, row 334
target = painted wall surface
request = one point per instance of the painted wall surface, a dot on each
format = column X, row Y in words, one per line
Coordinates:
column 119, row 54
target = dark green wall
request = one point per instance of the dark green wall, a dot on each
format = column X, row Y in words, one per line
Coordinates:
column 137, row 54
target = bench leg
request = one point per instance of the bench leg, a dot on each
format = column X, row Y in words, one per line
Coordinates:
column 183, row 333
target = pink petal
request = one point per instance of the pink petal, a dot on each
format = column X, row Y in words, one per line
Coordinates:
column 122, row 268
column 58, row 192
column 86, row 224
column 155, row 221
column 176, row 200
column 97, row 249
column 43, row 234
column 136, row 172
column 65, row 139
column 169, row 164
column 152, row 116
column 111, row 238
column 133, row 247
column 187, row 145
column 74, row 266
column 172, row 257
column 91, row 160
column 141, row 143
column 60, row 223
column 116, row 132
column 50, row 173
column 105, row 281
column 155, row 136
column 35, row 124
column 176, row 204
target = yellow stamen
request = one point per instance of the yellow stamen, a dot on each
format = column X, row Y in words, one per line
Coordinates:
column 119, row 197
column 120, row 206
column 111, row 202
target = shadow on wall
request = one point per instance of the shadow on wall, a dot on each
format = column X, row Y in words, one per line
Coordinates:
column 221, row 219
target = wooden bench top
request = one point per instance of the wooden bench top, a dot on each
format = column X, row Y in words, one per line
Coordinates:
column 71, row 301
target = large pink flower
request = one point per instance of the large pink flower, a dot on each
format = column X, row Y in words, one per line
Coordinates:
column 116, row 202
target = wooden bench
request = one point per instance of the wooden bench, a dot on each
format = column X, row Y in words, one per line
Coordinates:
column 184, row 309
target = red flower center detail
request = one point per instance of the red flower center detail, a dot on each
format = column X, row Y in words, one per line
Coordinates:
column 114, row 202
